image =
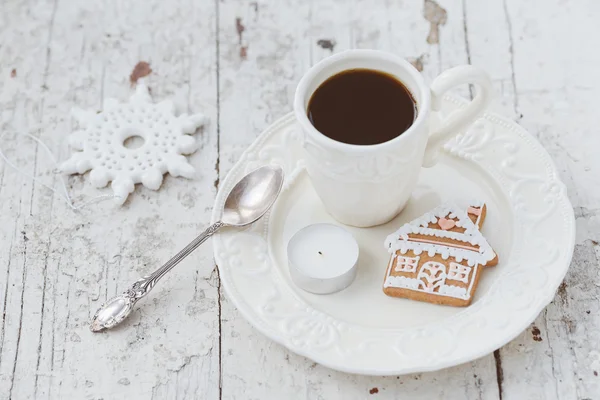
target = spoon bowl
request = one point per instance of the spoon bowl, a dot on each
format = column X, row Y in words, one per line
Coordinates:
column 253, row 196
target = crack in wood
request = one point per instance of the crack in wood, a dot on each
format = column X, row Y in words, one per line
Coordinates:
column 52, row 340
column 478, row 385
column 2, row 178
column 499, row 372
column 254, row 5
column 18, row 344
column 553, row 368
column 106, row 270
column 586, row 213
column 42, row 308
column 62, row 360
column 2, row 331
column 44, row 85
column 511, row 50
column 218, row 95
column 119, row 260
column 35, row 159
column 240, row 28
column 467, row 45
column 220, row 316
column 49, row 41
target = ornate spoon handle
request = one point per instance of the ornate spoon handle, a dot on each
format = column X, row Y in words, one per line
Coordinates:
column 118, row 308
column 145, row 285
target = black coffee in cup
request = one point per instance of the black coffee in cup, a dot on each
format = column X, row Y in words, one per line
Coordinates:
column 362, row 107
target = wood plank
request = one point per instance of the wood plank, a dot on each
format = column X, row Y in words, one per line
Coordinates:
column 555, row 82
column 63, row 265
column 18, row 253
column 264, row 50
column 489, row 45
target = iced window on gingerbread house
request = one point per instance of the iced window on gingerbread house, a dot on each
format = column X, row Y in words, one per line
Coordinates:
column 459, row 272
column 406, row 264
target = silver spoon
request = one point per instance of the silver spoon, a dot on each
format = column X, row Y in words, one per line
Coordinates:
column 247, row 202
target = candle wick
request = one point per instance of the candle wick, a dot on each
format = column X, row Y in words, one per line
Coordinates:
column 320, row 253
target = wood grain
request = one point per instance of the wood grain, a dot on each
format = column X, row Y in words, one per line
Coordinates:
column 238, row 62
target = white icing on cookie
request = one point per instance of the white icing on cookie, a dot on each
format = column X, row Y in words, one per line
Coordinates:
column 453, row 291
column 400, row 241
column 476, row 203
column 402, row 282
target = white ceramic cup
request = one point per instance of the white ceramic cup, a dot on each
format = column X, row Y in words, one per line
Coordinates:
column 369, row 185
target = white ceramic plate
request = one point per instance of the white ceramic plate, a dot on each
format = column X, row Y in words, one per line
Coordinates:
column 360, row 330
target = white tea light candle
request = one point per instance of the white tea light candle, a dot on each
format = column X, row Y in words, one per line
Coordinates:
column 322, row 258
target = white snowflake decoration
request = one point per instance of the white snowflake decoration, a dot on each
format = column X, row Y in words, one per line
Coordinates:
column 101, row 143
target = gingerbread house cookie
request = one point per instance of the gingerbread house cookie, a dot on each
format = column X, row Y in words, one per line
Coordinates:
column 439, row 257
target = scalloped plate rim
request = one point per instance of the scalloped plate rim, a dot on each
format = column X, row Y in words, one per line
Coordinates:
column 249, row 314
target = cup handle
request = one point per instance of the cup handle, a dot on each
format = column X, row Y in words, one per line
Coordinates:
column 462, row 118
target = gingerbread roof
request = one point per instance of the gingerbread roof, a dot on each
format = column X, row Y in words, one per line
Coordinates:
column 423, row 234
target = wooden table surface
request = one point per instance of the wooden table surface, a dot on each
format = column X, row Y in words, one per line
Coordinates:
column 238, row 62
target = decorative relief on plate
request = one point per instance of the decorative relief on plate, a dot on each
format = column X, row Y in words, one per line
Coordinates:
column 247, row 254
column 437, row 344
column 285, row 152
column 522, row 181
column 303, row 326
column 468, row 145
